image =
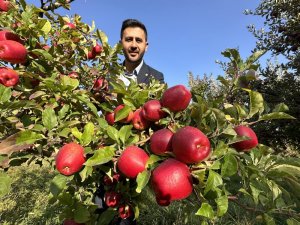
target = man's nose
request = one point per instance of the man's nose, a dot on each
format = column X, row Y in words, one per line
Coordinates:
column 133, row 47
column 134, row 44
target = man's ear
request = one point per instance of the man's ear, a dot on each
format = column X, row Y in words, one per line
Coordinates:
column 146, row 46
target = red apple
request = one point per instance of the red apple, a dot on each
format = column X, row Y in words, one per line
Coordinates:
column 171, row 180
column 126, row 119
column 125, row 211
column 151, row 110
column 110, row 118
column 97, row 49
column 190, row 145
column 100, row 84
column 74, row 75
column 7, row 35
column 132, row 161
column 109, row 181
column 46, row 47
column 5, row 5
column 70, row 159
column 91, row 55
column 71, row 25
column 161, row 141
column 12, row 51
column 245, row 145
column 176, row 98
column 8, row 77
column 138, row 121
column 112, row 198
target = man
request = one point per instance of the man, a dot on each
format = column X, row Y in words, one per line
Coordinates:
column 135, row 44
column 134, row 40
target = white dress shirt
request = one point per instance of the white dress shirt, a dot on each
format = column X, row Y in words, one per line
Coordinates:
column 131, row 76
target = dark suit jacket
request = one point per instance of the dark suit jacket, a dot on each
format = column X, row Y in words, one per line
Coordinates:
column 146, row 72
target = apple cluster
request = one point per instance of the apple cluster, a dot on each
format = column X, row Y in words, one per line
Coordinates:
column 12, row 50
column 113, row 197
column 171, row 180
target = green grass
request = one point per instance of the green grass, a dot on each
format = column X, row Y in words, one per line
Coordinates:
column 27, row 202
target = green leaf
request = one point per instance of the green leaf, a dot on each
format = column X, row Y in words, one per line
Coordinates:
column 76, row 133
column 65, row 132
column 220, row 150
column 122, row 113
column 88, row 103
column 113, row 133
column 45, row 26
column 28, row 137
column 254, row 57
column 269, row 220
column 81, row 213
column 49, row 118
column 39, row 66
column 118, row 88
column 103, row 37
column 214, row 180
column 285, row 168
column 63, row 111
column 275, row 116
column 241, row 111
column 58, row 183
column 132, row 140
column 85, row 172
column 106, row 217
column 255, row 193
column 69, row 83
column 125, row 132
column 5, row 184
column 220, row 116
column 222, row 204
column 292, row 221
column 88, row 134
column 152, row 159
column 101, row 156
column 281, row 107
column 36, row 94
column 230, row 166
column 206, row 210
column 43, row 53
column 256, row 103
column 274, row 188
column 5, row 93
column 142, row 180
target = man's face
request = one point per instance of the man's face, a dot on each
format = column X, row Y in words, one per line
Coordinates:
column 134, row 44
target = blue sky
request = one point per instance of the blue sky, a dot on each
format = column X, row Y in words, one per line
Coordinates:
column 184, row 35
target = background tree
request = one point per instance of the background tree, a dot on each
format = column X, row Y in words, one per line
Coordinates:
column 280, row 83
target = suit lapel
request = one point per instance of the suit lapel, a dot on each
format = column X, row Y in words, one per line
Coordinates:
column 143, row 75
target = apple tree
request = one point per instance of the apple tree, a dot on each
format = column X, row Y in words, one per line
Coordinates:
column 62, row 104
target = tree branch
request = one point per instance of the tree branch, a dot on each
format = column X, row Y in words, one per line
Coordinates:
column 252, row 209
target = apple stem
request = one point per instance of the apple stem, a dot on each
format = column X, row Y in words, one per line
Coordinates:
column 143, row 141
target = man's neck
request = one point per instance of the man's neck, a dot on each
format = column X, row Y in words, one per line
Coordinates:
column 130, row 66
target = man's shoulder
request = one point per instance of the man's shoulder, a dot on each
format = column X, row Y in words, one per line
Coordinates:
column 151, row 70
column 146, row 72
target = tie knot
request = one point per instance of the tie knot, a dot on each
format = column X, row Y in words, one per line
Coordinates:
column 133, row 73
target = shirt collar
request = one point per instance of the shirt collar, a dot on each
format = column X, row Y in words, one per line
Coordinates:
column 138, row 68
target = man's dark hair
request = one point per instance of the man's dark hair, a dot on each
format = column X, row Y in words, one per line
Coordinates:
column 133, row 23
